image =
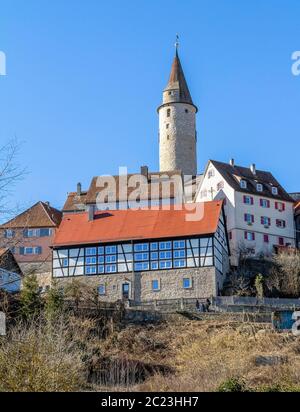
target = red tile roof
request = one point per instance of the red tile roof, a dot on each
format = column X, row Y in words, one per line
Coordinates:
column 122, row 225
column 39, row 215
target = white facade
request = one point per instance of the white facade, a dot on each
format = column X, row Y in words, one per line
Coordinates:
column 252, row 228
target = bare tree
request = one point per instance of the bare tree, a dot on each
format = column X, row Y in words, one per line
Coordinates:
column 285, row 276
column 10, row 173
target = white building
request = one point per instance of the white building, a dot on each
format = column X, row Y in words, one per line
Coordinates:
column 259, row 212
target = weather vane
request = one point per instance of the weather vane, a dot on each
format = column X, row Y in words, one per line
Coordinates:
column 177, row 42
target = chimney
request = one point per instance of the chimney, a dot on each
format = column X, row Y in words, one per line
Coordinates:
column 47, row 203
column 253, row 169
column 91, row 212
column 78, row 189
column 231, row 162
column 145, row 171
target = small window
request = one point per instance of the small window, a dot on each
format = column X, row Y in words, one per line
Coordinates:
column 110, row 250
column 167, row 126
column 101, row 290
column 280, row 223
column 266, row 238
column 179, row 244
column 220, row 185
column 168, row 112
column 280, row 206
column 155, row 285
column 248, row 200
column 169, row 93
column 211, row 173
column 91, row 270
column 165, row 245
column 187, row 283
column 9, row 233
column 243, row 184
column 265, row 203
column 281, row 241
column 250, row 236
column 141, row 247
column 266, row 221
column 90, row 251
column 92, row 260
column 186, row 110
column 249, row 218
column 275, row 191
column 259, row 187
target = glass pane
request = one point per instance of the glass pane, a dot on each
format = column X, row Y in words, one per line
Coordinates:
column 122, row 267
column 74, row 252
column 90, row 251
column 154, row 246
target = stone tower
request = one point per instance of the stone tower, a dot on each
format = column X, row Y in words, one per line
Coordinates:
column 177, row 125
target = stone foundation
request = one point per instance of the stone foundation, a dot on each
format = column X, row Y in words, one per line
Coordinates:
column 205, row 282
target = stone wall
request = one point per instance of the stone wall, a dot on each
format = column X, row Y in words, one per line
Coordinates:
column 204, row 283
column 177, row 142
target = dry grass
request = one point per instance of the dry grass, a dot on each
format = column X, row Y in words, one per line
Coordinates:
column 39, row 358
column 209, row 353
column 201, row 354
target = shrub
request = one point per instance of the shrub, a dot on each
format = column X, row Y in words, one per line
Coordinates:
column 54, row 302
column 233, row 385
column 259, row 286
column 30, row 299
column 36, row 357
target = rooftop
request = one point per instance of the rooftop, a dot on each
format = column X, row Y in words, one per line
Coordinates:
column 125, row 225
column 233, row 174
column 40, row 214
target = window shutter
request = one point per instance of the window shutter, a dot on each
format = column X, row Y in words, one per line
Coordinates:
column 269, row 203
column 269, row 221
column 252, row 201
column 252, row 218
column 245, row 217
column 261, row 202
column 283, row 206
column 21, row 251
column 262, row 220
column 253, row 236
column 244, row 199
column 284, row 223
column 276, row 205
column 245, row 235
column 25, row 233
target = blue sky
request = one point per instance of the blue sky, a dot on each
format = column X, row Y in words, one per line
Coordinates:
column 84, row 80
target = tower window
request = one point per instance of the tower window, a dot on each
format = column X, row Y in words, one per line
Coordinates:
column 167, row 125
column 186, row 110
column 168, row 112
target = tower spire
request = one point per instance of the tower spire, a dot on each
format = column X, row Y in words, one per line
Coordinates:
column 177, row 44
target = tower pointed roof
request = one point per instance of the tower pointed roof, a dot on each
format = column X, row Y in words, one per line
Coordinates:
column 177, row 81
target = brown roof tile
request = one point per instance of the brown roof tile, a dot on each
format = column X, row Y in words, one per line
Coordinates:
column 75, row 202
column 39, row 215
column 233, row 175
column 177, row 82
column 154, row 185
